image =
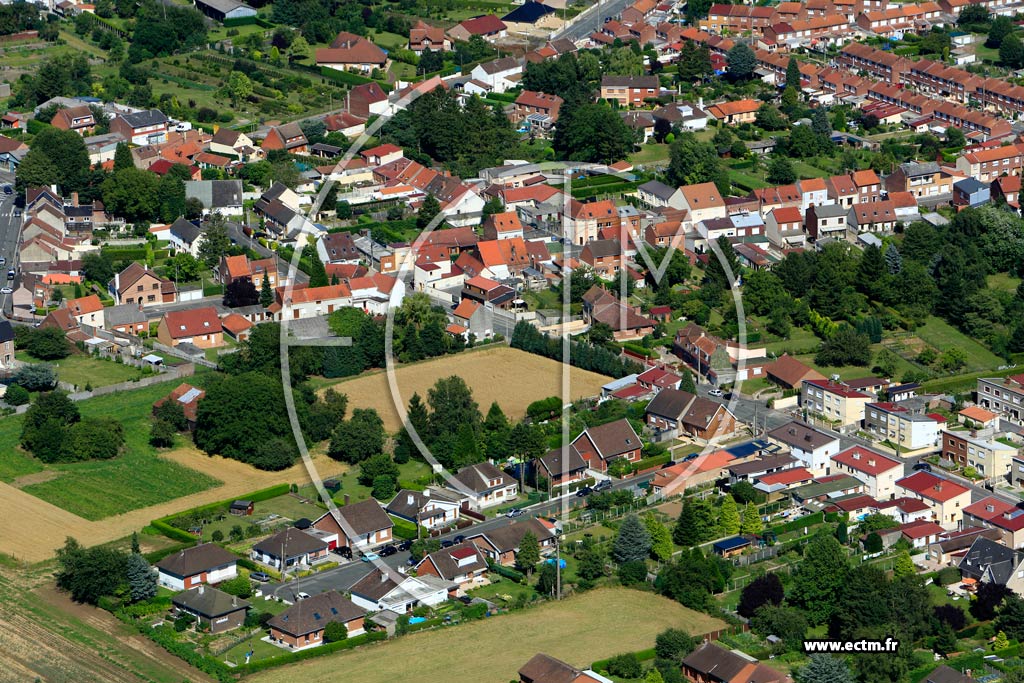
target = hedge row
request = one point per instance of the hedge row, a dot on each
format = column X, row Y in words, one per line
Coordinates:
column 125, row 253
column 800, row 523
column 507, row 572
column 239, row 21
column 656, row 461
column 326, row 649
column 349, row 78
column 404, row 529
column 167, row 640
column 642, row 655
column 181, row 535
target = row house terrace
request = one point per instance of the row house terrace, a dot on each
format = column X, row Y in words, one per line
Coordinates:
column 831, row 29
column 935, row 77
column 997, row 94
column 901, row 97
column 973, row 123
column 737, row 18
column 885, row 21
column 843, row 83
column 880, row 64
column 954, row 7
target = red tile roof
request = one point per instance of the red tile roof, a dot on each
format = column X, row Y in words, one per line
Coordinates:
column 927, row 485
column 921, row 529
column 786, row 477
column 189, row 323
column 865, row 460
column 982, row 510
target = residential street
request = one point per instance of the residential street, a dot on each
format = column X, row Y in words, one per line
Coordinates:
column 10, row 228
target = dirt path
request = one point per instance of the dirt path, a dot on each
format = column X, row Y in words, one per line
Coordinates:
column 35, row 478
column 51, row 525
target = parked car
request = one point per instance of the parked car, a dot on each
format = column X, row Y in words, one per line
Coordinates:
column 6, row 290
column 11, row 274
column 405, row 545
column 447, row 543
column 923, row 466
column 458, row 539
column 301, row 596
column 8, row 189
column 514, row 512
column 585, row 491
column 369, row 557
column 259, row 576
column 603, row 485
column 344, row 551
column 387, row 551
column 716, row 392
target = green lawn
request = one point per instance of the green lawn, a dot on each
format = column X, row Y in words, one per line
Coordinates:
column 407, row 473
column 1003, row 281
column 80, row 369
column 651, row 154
column 502, row 587
column 800, row 339
column 942, row 335
column 287, row 507
column 102, row 488
column 389, row 41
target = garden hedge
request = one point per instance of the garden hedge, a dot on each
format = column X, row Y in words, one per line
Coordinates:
column 642, row 655
column 326, row 649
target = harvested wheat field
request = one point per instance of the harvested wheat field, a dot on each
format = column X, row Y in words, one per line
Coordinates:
column 51, row 525
column 513, row 378
column 578, row 630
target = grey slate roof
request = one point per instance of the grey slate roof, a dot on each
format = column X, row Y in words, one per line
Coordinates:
column 209, row 602
column 990, row 560
column 215, row 194
column 290, row 542
column 196, row 560
column 658, row 189
column 314, row 613
column 141, row 119
column 123, row 314
column 185, row 230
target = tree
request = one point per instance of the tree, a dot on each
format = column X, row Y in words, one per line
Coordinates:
column 215, row 241
column 379, row 465
column 845, row 347
column 36, row 170
column 819, row 577
column 1011, row 52
column 528, row 554
column 945, row 640
column 88, row 574
column 226, row 424
column 788, row 623
column 69, row 156
column 170, row 197
column 592, row 132
column 123, row 157
column 334, row 631
column 893, row 260
column 16, row 395
column 384, row 487
column 661, row 538
column 141, row 578
column 427, row 212
column 1000, row 28
column 266, row 294
column 654, row 676
column 825, row 669
column 781, row 171
column 770, row 118
column 674, row 644
column 632, row 542
column 729, row 519
column 547, row 580
column 904, row 566
column 451, row 402
column 299, row 49
column 357, row 438
column 793, row 74
column 751, row 520
column 764, row 590
column 241, row 292
column 688, row 530
column 94, row 438
column 974, row 13
column 97, row 267
column 45, row 423
column 790, row 102
column 33, row 377
column 239, row 87
column 132, row 193
column 633, row 572
column 1001, row 642
column 873, row 543
column 741, row 62
column 48, row 343
column 692, row 162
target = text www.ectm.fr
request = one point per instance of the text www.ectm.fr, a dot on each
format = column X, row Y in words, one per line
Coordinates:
column 818, row 646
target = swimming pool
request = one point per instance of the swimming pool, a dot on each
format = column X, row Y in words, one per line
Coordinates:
column 416, row 620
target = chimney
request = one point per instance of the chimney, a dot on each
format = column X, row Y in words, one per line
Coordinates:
column 410, row 499
column 383, row 576
column 202, row 588
column 74, row 199
column 234, row 601
column 871, row 463
column 346, row 499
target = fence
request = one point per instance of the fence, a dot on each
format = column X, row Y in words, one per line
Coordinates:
column 178, row 353
column 169, row 374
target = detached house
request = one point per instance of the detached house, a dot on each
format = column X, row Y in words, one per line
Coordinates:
column 630, row 91
column 147, row 127
column 136, row 284
column 814, row 449
column 199, row 326
column 214, row 610
column 545, row 669
column 433, row 509
column 361, row 525
column 77, row 119
column 501, row 544
column 349, row 52
column 302, row 625
column 463, row 565
column 946, row 499
column 486, row 485
column 288, row 137
column 711, row 663
column 383, row 590
column 561, row 466
column 604, row 444
column 423, row 37
column 289, row 548
column 189, row 567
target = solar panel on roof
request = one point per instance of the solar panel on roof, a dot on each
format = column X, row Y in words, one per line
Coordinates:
column 334, row 610
column 189, row 396
column 743, row 450
column 316, row 615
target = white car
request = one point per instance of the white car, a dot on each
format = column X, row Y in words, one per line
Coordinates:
column 715, row 392
column 301, row 596
column 6, row 290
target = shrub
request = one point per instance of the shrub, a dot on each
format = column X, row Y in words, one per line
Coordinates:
column 625, row 666
column 947, row 575
column 633, row 572
column 335, row 631
column 16, row 395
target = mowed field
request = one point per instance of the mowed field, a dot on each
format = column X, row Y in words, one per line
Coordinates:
column 513, row 378
column 51, row 525
column 578, row 630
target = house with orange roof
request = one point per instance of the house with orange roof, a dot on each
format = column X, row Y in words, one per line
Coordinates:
column 199, row 327
column 784, row 228
column 239, row 267
column 504, row 258
column 735, row 113
column 87, row 310
column 877, row 471
column 373, row 292
column 309, row 302
column 701, row 470
column 813, row 191
column 703, row 201
column 945, row 498
column 503, row 226
column 989, row 164
column 236, row 326
column 586, row 220
column 349, row 52
column 977, row 415
column 788, row 372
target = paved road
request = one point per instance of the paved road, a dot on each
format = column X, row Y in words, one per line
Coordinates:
column 590, row 19
column 343, row 577
column 10, row 229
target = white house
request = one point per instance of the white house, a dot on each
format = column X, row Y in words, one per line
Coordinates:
column 381, row 590
column 433, row 509
column 878, row 472
column 486, row 485
column 497, row 73
column 185, row 236
column 814, row 449
column 190, row 567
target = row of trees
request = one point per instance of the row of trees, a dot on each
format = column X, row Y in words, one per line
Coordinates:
column 583, row 355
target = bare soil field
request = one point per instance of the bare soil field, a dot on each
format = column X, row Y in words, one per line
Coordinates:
column 51, row 525
column 513, row 378
column 578, row 630
column 47, row 637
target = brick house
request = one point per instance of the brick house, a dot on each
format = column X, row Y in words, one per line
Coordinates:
column 630, row 91
column 362, row 525
column 679, row 412
column 214, row 610
column 561, row 466
column 136, row 284
column 462, row 564
column 601, row 445
column 486, row 485
column 501, row 544
column 199, row 326
column 302, row 625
